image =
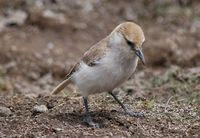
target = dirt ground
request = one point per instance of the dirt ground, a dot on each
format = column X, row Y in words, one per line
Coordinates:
column 41, row 39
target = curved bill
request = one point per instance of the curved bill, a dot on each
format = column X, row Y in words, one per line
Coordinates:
column 140, row 54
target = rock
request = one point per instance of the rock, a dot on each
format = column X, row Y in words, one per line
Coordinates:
column 4, row 111
column 47, row 18
column 33, row 75
column 17, row 17
column 57, row 129
column 40, row 109
column 10, row 65
column 31, row 95
column 53, row 17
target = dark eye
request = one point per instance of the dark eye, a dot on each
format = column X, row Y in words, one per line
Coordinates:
column 131, row 44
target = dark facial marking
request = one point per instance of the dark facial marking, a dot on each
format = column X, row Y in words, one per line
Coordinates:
column 131, row 44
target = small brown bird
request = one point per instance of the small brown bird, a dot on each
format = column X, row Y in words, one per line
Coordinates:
column 106, row 65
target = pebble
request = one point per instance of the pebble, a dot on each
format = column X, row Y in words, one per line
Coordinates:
column 40, row 109
column 57, row 129
column 4, row 111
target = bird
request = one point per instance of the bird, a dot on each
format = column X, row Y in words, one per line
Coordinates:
column 106, row 65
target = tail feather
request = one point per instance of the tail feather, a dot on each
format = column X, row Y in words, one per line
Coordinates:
column 61, row 86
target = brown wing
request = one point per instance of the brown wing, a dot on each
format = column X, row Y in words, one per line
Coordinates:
column 92, row 56
column 95, row 53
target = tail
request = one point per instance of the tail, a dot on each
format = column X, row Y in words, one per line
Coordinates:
column 61, row 86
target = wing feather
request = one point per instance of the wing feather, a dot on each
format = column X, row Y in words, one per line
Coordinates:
column 92, row 56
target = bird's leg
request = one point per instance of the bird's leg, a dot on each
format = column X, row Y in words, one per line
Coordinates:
column 130, row 113
column 87, row 117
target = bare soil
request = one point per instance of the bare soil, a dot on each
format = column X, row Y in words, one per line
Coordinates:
column 37, row 54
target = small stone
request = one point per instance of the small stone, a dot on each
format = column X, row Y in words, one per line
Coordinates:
column 40, row 109
column 17, row 17
column 11, row 65
column 33, row 76
column 57, row 129
column 4, row 111
column 31, row 95
column 50, row 45
column 53, row 18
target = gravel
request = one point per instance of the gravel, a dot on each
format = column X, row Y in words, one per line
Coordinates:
column 4, row 111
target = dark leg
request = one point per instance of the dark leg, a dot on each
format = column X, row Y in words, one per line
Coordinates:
column 134, row 114
column 87, row 117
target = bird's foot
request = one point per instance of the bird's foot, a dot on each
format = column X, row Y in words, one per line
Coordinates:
column 88, row 120
column 135, row 114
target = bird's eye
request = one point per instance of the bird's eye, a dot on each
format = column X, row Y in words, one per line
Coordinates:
column 131, row 44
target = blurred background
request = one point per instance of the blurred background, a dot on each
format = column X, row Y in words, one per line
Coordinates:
column 40, row 40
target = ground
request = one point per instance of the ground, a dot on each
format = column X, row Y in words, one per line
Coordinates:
column 40, row 46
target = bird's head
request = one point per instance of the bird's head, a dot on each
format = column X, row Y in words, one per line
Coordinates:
column 133, row 37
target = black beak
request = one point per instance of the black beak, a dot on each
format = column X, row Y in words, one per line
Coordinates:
column 140, row 54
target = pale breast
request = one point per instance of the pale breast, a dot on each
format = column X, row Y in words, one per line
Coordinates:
column 109, row 73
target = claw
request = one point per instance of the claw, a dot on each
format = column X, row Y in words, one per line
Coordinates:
column 88, row 120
